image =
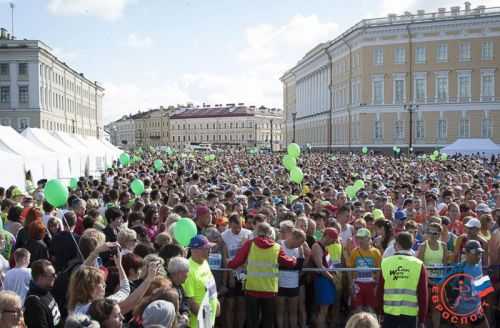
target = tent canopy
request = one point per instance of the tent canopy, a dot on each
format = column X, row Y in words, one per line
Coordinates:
column 472, row 146
column 12, row 168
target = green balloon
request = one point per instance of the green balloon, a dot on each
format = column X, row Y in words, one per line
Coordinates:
column 398, row 150
column 433, row 157
column 296, row 175
column 436, row 153
column 184, row 230
column 56, row 193
column 289, row 162
column 158, row 164
column 365, row 150
column 206, row 158
column 211, row 157
column 394, row 148
column 73, row 183
column 124, row 159
column 293, row 150
column 444, row 157
column 137, row 187
column 351, row 192
column 359, row 184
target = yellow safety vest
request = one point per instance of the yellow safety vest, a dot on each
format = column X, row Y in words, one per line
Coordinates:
column 401, row 275
column 262, row 269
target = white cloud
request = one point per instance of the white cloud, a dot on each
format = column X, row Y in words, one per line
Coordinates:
column 107, row 9
column 65, row 55
column 126, row 98
column 268, row 52
column 139, row 41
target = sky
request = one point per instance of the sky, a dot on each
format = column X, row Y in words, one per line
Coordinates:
column 151, row 53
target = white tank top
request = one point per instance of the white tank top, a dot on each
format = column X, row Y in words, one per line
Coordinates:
column 289, row 278
column 234, row 242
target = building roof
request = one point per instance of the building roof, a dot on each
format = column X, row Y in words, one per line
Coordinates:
column 442, row 15
column 229, row 110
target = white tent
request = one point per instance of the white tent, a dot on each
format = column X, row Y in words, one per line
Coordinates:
column 12, row 170
column 97, row 159
column 41, row 163
column 69, row 161
column 114, row 150
column 472, row 146
column 86, row 166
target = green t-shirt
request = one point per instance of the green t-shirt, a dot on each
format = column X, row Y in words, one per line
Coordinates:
column 200, row 280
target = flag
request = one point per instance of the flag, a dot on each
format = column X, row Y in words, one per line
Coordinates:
column 482, row 286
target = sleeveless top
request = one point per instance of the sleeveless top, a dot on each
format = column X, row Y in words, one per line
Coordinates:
column 434, row 258
column 289, row 278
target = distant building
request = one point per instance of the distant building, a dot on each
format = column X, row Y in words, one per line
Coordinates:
column 39, row 90
column 230, row 124
column 420, row 79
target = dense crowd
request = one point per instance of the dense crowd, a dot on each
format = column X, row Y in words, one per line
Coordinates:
column 110, row 258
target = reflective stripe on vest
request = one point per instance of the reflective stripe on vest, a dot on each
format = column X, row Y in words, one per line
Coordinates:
column 262, row 269
column 401, row 275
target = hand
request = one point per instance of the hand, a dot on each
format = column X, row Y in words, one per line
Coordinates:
column 106, row 247
column 117, row 258
column 153, row 269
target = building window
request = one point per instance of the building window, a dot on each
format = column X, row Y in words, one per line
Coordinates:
column 442, row 129
column 420, row 55
column 399, row 56
column 23, row 94
column 464, row 53
column 23, row 123
column 23, row 69
column 399, row 91
column 488, row 85
column 378, row 91
column 378, row 56
column 398, row 129
column 419, row 129
column 486, row 128
column 4, row 95
column 464, row 86
column 442, row 87
column 487, row 50
column 356, row 92
column 463, row 130
column 442, row 53
column 420, row 89
column 6, row 122
column 4, row 69
column 378, row 133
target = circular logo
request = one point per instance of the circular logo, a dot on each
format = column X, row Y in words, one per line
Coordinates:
column 456, row 299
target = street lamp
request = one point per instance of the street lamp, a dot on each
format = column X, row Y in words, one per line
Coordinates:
column 294, row 117
column 271, row 139
column 411, row 108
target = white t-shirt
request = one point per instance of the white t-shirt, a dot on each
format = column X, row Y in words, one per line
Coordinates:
column 390, row 250
column 346, row 234
column 289, row 278
column 18, row 281
column 234, row 242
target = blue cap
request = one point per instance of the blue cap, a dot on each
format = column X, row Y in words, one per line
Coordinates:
column 298, row 208
column 400, row 215
column 200, row 241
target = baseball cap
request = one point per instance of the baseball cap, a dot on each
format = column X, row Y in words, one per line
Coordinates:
column 473, row 223
column 200, row 242
column 378, row 214
column 221, row 221
column 298, row 207
column 331, row 233
column 400, row 215
column 473, row 246
column 16, row 192
column 483, row 208
column 363, row 232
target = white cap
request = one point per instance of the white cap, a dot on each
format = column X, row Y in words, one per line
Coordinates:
column 483, row 208
column 473, row 223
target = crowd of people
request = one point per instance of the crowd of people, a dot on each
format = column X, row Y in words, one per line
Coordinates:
column 267, row 252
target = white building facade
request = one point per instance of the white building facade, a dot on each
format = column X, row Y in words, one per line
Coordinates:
column 39, row 90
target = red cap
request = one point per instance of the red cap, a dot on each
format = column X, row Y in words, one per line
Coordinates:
column 331, row 233
column 332, row 209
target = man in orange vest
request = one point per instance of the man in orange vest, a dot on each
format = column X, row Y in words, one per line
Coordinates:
column 263, row 257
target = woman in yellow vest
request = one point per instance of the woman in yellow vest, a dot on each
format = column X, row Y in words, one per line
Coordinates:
column 403, row 288
column 263, row 257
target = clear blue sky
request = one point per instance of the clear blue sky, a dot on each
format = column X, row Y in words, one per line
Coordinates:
column 149, row 53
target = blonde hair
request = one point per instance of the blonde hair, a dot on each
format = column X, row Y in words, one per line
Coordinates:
column 7, row 298
column 82, row 283
column 125, row 235
column 362, row 320
column 95, row 234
